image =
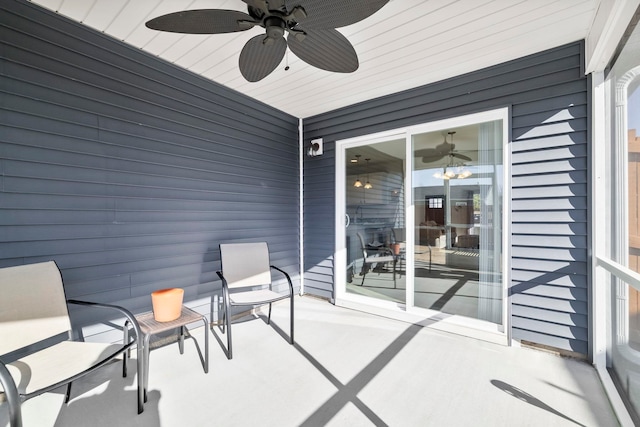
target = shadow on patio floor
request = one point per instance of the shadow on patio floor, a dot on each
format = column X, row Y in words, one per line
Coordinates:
column 347, row 368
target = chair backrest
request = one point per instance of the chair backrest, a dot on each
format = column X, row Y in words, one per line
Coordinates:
column 33, row 306
column 245, row 264
column 362, row 244
column 399, row 235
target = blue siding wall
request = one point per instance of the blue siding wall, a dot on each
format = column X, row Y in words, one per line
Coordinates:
column 548, row 96
column 128, row 171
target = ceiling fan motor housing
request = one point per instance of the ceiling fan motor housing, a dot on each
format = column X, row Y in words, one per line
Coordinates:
column 275, row 27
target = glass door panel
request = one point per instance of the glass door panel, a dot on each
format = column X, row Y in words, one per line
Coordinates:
column 420, row 220
column 375, row 232
column 457, row 181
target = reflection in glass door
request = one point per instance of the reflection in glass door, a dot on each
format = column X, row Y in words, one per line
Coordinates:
column 375, row 232
column 457, row 181
column 420, row 220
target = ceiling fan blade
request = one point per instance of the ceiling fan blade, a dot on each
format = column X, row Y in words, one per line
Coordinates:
column 429, row 159
column 260, row 56
column 445, row 147
column 427, row 152
column 275, row 4
column 325, row 49
column 259, row 4
column 325, row 14
column 439, row 151
column 203, row 21
column 461, row 156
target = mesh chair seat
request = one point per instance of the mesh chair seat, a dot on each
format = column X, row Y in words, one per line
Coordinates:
column 383, row 258
column 61, row 361
column 256, row 297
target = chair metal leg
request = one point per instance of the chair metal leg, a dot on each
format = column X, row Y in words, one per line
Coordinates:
column 181, row 341
column 126, row 354
column 291, row 320
column 206, row 347
column 364, row 273
column 142, row 391
column 269, row 317
column 145, row 374
column 12, row 397
column 395, row 262
column 224, row 321
column 67, row 395
column 226, row 316
column 229, row 348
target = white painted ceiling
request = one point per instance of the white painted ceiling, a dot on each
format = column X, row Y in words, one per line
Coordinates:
column 408, row 43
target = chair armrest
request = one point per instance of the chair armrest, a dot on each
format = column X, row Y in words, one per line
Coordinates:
column 225, row 286
column 221, row 276
column 285, row 275
column 130, row 317
column 142, row 395
column 11, row 394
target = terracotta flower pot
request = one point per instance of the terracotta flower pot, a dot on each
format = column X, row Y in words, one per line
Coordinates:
column 396, row 248
column 167, row 304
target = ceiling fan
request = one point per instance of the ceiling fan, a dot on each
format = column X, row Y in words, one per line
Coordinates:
column 311, row 25
column 441, row 150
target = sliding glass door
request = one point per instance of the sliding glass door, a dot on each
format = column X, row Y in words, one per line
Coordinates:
column 375, row 208
column 420, row 216
column 457, row 192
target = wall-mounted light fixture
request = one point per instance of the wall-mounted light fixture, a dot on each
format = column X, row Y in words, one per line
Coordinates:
column 315, row 148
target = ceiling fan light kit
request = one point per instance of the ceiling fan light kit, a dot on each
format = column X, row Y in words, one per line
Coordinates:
column 451, row 169
column 310, row 24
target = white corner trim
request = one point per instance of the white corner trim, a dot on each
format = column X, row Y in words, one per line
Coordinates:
column 609, row 24
column 301, row 202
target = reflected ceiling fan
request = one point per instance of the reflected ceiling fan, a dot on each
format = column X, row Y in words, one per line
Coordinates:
column 310, row 24
column 441, row 150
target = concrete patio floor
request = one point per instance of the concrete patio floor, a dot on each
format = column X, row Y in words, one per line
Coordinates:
column 347, row 368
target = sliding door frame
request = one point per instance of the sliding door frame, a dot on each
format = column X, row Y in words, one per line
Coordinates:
column 408, row 312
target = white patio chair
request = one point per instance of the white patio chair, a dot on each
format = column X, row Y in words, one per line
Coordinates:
column 376, row 256
column 246, row 269
column 37, row 353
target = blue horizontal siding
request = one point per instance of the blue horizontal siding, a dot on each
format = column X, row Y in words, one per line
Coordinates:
column 128, row 171
column 549, row 103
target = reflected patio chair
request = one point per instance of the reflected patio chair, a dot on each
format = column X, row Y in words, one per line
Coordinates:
column 37, row 353
column 246, row 270
column 376, row 255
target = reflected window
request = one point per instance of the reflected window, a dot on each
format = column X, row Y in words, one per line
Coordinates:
column 435, row 203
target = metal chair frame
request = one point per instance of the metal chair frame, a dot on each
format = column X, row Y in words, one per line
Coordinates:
column 273, row 296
